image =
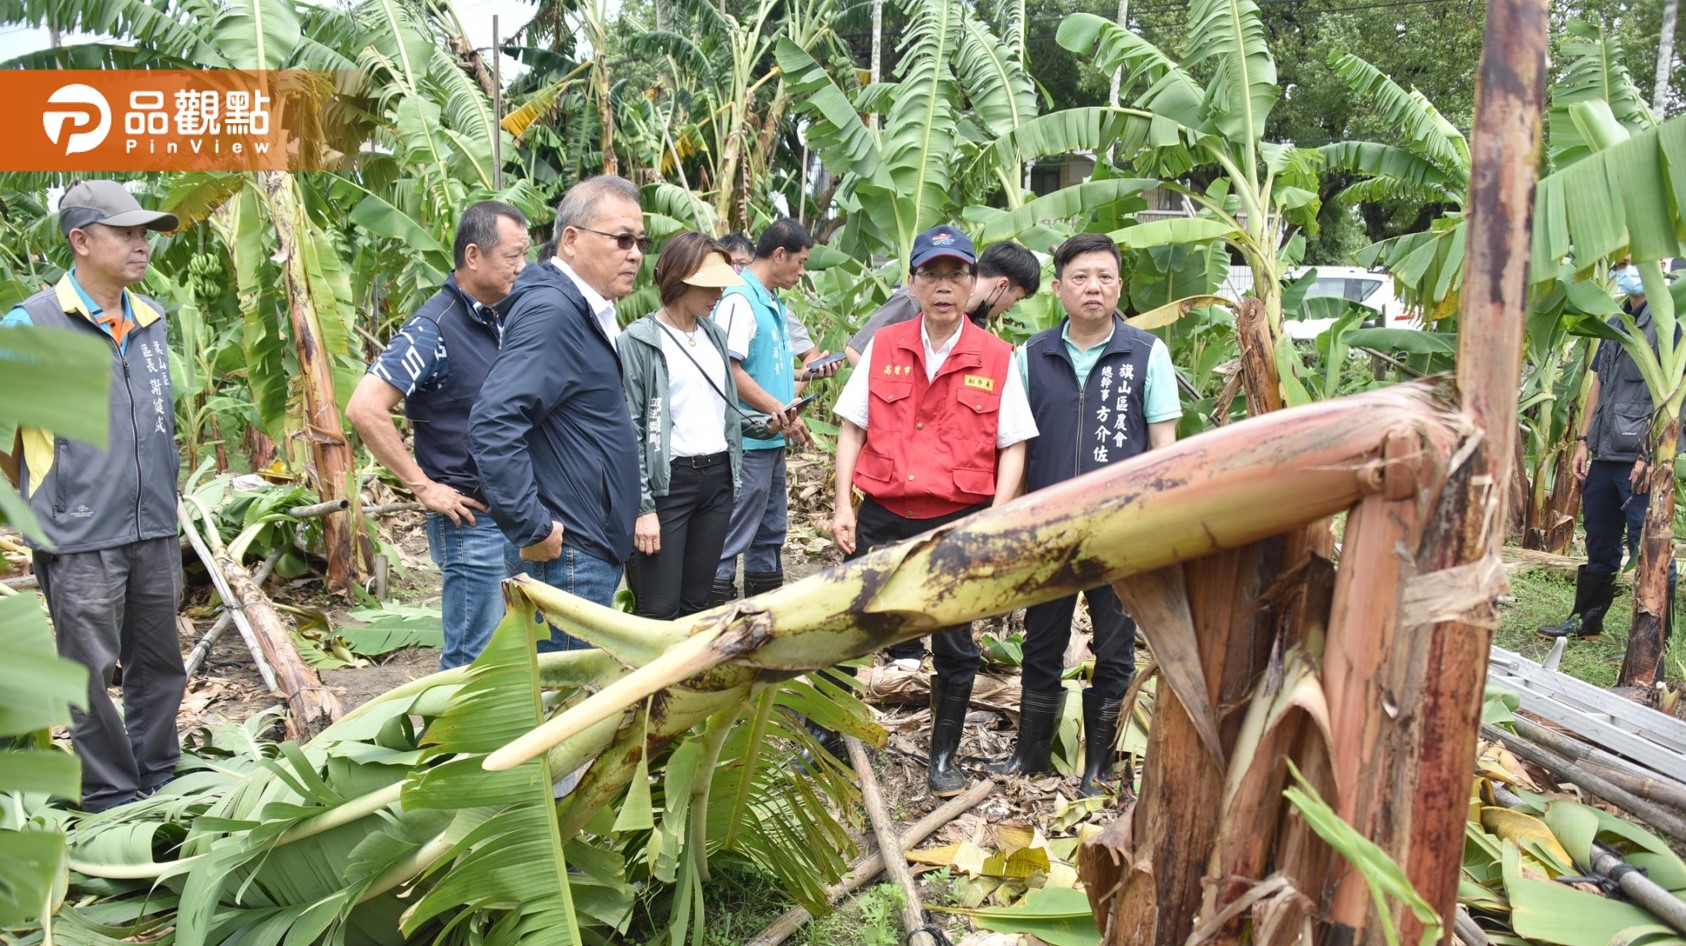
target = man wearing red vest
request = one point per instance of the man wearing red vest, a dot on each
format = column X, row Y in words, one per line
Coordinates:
column 934, row 424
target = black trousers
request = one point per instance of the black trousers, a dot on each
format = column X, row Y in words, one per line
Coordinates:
column 1047, row 629
column 114, row 607
column 694, row 515
column 953, row 652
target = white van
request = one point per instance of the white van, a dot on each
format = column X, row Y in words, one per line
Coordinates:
column 1354, row 284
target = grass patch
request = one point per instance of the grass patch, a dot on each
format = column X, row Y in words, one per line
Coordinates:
column 871, row 918
column 1542, row 598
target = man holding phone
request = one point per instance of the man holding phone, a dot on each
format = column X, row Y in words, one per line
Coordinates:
column 934, row 425
column 763, row 354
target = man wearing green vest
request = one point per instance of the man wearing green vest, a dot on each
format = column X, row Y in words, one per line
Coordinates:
column 758, row 339
column 111, row 567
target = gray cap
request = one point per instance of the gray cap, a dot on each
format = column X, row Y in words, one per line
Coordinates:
column 110, row 203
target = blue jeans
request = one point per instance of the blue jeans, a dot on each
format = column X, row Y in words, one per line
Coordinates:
column 575, row 572
column 758, row 517
column 470, row 558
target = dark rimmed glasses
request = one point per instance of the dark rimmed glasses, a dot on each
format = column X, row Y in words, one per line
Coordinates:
column 625, row 241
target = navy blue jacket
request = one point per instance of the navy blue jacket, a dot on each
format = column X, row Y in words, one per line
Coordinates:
column 550, row 433
column 1105, row 421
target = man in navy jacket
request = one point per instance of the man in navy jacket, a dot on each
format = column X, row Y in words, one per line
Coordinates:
column 550, row 433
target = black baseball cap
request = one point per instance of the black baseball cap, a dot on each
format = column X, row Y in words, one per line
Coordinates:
column 110, row 203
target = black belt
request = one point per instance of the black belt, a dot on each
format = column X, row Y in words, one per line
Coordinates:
column 704, row 462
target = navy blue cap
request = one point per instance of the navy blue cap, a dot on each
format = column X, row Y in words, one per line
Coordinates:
column 941, row 240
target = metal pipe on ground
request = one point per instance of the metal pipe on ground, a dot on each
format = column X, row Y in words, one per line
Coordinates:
column 1633, row 884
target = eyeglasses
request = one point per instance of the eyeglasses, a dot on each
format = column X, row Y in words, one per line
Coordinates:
column 953, row 277
column 625, row 241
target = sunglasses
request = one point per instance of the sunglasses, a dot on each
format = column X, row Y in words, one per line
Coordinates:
column 625, row 241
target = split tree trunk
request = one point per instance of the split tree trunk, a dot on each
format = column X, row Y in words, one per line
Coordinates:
column 1645, row 641
column 1404, row 654
column 330, row 453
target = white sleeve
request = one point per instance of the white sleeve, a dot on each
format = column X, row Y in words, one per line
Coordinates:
column 1017, row 423
column 852, row 402
column 800, row 341
column 735, row 316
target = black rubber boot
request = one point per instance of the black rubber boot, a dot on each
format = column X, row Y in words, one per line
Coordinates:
column 1039, row 719
column 724, row 591
column 1594, row 591
column 1100, row 731
column 949, row 700
column 755, row 583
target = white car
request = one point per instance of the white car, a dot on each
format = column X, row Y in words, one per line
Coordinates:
column 1354, row 284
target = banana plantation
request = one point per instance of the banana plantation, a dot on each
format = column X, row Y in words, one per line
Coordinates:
column 1319, row 565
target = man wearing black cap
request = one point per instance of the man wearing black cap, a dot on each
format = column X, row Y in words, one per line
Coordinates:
column 111, row 567
column 934, row 424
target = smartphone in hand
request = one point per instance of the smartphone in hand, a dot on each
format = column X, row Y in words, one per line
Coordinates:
column 818, row 366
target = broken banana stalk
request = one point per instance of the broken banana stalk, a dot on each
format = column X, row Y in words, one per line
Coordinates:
column 1223, row 489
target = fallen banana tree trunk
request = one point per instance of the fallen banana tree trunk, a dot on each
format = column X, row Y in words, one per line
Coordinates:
column 1221, row 490
column 688, row 705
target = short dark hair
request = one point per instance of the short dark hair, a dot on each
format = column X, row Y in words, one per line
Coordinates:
column 734, row 243
column 1085, row 243
column 682, row 255
column 784, row 234
column 1013, row 261
column 479, row 227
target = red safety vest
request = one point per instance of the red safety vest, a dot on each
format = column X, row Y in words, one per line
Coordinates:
column 930, row 445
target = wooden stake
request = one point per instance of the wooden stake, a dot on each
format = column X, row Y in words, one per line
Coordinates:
column 895, row 862
column 867, row 868
column 202, row 649
column 313, row 705
column 235, row 611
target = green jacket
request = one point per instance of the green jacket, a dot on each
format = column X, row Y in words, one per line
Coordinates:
column 644, row 376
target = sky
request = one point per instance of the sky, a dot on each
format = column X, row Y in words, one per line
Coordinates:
column 476, row 16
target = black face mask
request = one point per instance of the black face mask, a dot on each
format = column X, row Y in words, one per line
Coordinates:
column 980, row 312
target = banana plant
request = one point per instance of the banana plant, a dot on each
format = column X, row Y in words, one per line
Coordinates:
column 719, row 67
column 433, row 811
column 915, row 171
column 1175, row 122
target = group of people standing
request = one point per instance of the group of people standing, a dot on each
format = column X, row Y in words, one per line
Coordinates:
column 550, row 441
column 661, row 447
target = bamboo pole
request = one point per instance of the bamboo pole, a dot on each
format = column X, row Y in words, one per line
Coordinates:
column 384, row 508
column 1634, row 885
column 313, row 705
column 1668, row 822
column 864, row 870
column 202, row 648
column 316, row 510
column 914, row 919
column 235, row 610
column 1613, row 768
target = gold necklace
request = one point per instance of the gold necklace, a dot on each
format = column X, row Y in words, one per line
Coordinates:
column 691, row 336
